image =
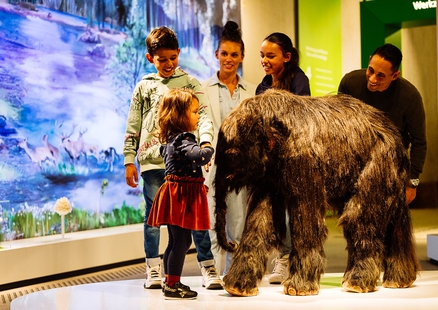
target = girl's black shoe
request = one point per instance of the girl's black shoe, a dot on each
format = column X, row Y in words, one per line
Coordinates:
column 186, row 287
column 179, row 291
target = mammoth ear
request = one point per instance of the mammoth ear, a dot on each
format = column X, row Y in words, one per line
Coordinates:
column 277, row 130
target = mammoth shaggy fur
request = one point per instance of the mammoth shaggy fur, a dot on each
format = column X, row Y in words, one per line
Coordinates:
column 304, row 156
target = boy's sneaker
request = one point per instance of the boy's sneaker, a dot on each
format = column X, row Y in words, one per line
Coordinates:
column 179, row 291
column 280, row 271
column 210, row 278
column 153, row 277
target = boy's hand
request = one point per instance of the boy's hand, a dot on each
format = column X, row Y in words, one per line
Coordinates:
column 131, row 175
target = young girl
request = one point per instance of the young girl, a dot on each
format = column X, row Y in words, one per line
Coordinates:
column 181, row 202
column 280, row 62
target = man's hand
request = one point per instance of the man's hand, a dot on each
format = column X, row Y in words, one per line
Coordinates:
column 411, row 193
column 131, row 175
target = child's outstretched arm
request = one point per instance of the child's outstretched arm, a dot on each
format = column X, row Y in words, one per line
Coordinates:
column 199, row 156
column 205, row 131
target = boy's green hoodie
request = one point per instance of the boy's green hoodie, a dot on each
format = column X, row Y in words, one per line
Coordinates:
column 142, row 118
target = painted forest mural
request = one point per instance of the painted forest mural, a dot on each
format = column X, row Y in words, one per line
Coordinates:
column 67, row 71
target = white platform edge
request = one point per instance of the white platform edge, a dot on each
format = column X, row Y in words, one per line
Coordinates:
column 45, row 256
column 130, row 295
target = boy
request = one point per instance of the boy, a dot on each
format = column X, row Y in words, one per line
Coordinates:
column 163, row 52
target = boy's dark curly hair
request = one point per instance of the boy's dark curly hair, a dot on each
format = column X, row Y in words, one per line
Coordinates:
column 161, row 37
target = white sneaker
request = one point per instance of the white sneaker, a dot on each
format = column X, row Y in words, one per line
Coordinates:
column 280, row 271
column 210, row 277
column 153, row 277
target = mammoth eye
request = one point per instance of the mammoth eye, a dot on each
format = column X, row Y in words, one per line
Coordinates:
column 233, row 151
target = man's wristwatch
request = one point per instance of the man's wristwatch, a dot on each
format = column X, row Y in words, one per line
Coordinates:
column 414, row 183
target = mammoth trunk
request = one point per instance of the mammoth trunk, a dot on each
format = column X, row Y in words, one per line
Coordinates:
column 221, row 186
column 220, row 214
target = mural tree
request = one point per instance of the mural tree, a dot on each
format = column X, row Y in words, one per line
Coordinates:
column 128, row 64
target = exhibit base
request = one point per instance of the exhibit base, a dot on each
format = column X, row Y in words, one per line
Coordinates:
column 130, row 294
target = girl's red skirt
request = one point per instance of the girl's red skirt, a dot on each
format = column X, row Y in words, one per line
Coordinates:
column 181, row 201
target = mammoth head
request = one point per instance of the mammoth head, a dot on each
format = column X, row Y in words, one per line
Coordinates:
column 248, row 143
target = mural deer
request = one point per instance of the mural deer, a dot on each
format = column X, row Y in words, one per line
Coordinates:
column 53, row 149
column 37, row 154
column 74, row 149
column 109, row 156
column 91, row 150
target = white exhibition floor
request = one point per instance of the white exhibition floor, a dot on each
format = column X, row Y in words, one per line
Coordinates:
column 130, row 295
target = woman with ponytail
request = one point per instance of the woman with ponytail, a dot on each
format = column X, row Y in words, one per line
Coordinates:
column 280, row 61
column 225, row 90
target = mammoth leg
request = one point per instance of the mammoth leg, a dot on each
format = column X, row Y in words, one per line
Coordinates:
column 378, row 229
column 249, row 261
column 400, row 261
column 364, row 246
column 307, row 258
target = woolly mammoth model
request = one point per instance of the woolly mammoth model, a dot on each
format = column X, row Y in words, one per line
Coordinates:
column 304, row 155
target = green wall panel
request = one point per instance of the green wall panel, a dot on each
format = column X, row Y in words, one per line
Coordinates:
column 381, row 20
column 319, row 42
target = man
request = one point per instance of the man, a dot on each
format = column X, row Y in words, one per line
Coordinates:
column 381, row 86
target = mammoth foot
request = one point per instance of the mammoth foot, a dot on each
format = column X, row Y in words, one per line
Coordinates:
column 358, row 285
column 241, row 292
column 399, row 276
column 235, row 285
column 362, row 278
column 350, row 287
column 304, row 290
column 393, row 284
